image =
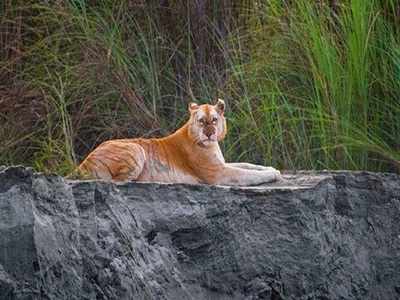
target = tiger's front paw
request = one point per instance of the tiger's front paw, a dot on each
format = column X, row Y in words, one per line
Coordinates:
column 278, row 175
column 272, row 175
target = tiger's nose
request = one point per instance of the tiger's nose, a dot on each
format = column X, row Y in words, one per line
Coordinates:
column 209, row 131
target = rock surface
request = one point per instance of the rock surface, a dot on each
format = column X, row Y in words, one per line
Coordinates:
column 326, row 235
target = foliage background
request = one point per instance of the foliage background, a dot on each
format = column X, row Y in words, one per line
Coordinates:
column 309, row 84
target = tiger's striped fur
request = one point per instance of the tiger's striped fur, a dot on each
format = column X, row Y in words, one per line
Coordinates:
column 189, row 155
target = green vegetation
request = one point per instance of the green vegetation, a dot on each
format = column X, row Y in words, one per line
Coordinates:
column 308, row 84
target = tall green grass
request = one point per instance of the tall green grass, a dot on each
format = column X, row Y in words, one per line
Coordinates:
column 308, row 85
column 319, row 89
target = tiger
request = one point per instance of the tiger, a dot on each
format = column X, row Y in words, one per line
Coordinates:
column 190, row 155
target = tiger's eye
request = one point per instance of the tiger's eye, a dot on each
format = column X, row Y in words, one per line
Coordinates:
column 201, row 121
column 214, row 121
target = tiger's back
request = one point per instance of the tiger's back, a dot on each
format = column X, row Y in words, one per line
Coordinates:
column 114, row 160
column 139, row 160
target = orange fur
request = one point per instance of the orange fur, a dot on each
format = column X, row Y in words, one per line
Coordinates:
column 189, row 155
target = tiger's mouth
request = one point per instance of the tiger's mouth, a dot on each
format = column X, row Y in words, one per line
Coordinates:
column 206, row 142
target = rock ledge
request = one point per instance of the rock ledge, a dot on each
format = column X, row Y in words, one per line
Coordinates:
column 325, row 235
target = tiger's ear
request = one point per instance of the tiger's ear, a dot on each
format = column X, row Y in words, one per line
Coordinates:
column 220, row 106
column 193, row 106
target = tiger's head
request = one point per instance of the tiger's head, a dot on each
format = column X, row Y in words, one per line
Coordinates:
column 207, row 124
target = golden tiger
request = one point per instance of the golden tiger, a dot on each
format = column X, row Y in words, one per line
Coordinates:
column 189, row 155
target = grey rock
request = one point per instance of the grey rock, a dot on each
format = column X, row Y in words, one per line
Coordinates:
column 325, row 235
